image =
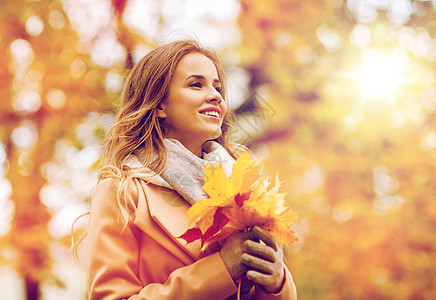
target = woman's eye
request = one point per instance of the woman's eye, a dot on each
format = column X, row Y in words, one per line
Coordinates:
column 218, row 89
column 196, row 84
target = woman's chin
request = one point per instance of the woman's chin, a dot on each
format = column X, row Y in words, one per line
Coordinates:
column 211, row 133
column 216, row 134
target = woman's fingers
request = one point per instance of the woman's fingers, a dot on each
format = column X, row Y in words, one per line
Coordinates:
column 263, row 259
column 258, row 264
column 256, row 254
column 260, row 250
column 270, row 282
column 266, row 237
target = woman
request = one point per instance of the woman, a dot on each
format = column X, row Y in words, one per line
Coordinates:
column 173, row 120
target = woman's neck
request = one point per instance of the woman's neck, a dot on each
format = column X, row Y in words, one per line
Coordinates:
column 194, row 147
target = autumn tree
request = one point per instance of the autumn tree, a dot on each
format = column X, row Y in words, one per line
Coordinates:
column 350, row 125
column 49, row 84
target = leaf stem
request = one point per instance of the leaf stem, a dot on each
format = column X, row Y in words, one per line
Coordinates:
column 239, row 288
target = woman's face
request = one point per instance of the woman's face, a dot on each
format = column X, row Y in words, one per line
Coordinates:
column 194, row 109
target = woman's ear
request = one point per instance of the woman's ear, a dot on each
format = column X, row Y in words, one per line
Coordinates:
column 161, row 111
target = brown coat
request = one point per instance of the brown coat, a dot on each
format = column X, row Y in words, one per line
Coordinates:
column 146, row 260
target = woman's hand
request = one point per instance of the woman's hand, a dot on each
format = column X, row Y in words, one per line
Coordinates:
column 256, row 254
column 264, row 261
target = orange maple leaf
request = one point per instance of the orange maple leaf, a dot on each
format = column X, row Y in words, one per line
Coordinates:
column 244, row 200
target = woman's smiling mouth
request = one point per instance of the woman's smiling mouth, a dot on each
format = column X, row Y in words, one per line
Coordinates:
column 214, row 112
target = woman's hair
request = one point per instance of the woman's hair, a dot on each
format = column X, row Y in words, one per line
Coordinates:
column 137, row 126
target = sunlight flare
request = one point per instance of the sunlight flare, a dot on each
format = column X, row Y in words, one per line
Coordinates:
column 381, row 75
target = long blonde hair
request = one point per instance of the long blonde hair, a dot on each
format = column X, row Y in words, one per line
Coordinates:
column 137, row 126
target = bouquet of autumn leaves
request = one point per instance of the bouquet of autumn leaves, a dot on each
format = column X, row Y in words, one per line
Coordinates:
column 240, row 202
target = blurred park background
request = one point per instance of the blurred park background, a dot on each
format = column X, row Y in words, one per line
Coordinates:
column 340, row 94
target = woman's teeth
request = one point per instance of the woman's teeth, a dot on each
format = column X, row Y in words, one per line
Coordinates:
column 211, row 113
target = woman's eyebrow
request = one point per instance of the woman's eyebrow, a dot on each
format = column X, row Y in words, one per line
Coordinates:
column 201, row 77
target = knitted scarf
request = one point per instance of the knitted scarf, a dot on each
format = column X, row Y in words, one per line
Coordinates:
column 184, row 171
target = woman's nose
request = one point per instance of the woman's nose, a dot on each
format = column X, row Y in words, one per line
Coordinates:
column 214, row 96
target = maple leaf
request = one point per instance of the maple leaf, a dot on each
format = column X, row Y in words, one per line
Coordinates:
column 191, row 235
column 241, row 198
column 244, row 200
column 219, row 221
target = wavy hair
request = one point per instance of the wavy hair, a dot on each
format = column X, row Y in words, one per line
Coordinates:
column 137, row 126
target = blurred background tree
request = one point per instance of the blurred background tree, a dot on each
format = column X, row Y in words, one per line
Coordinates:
column 353, row 136
column 340, row 94
column 48, row 86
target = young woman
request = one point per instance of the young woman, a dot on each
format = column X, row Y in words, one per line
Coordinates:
column 173, row 120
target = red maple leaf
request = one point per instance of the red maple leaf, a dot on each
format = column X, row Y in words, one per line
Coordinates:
column 219, row 221
column 241, row 198
column 191, row 235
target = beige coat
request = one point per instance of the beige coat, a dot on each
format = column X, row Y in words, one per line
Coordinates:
column 146, row 260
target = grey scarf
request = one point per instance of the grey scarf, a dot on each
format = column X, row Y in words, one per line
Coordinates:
column 184, row 171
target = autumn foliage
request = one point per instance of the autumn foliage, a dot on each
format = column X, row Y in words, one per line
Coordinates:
column 357, row 163
column 240, row 202
column 353, row 141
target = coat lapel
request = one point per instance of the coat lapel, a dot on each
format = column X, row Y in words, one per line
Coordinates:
column 168, row 209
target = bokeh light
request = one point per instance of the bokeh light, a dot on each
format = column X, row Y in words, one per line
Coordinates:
column 381, row 74
column 34, row 25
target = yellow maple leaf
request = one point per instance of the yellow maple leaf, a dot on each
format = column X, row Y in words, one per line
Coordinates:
column 244, row 200
column 222, row 190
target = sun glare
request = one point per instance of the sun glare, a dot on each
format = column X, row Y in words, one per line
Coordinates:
column 380, row 75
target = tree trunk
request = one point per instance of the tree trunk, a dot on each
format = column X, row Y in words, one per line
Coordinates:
column 32, row 288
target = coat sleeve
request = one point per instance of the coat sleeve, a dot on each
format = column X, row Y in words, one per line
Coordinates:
column 113, row 255
column 288, row 292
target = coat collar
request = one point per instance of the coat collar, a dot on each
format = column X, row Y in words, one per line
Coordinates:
column 168, row 209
